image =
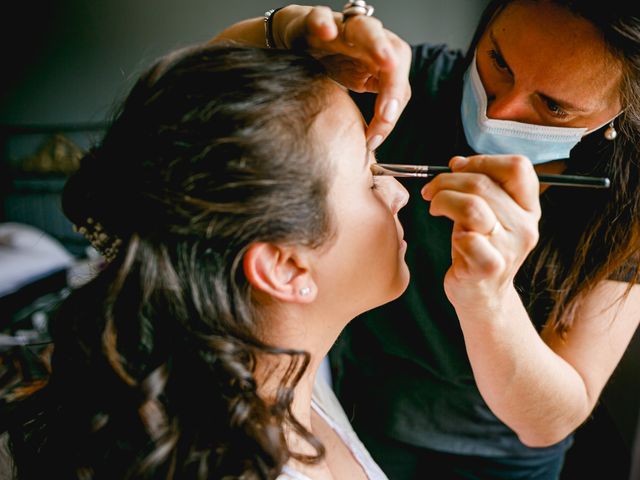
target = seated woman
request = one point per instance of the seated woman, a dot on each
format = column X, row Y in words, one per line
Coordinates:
column 234, row 201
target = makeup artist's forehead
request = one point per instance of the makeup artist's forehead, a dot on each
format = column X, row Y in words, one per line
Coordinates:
column 557, row 52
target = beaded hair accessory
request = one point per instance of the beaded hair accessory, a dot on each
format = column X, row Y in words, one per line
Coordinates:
column 104, row 243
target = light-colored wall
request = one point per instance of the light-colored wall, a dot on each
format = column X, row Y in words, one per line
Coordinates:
column 84, row 54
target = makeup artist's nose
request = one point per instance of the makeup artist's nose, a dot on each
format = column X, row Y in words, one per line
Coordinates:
column 507, row 103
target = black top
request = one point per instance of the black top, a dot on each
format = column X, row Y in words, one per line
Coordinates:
column 402, row 369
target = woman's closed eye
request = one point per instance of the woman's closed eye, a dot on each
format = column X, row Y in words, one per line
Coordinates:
column 382, row 185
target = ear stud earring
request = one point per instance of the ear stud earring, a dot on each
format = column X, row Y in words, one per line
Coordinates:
column 304, row 291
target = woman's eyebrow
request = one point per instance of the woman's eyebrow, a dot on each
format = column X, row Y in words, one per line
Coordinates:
column 369, row 158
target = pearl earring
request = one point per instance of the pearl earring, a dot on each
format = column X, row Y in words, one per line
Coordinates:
column 610, row 133
column 304, row 291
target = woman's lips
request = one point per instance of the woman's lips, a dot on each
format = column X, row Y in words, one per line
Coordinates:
column 403, row 242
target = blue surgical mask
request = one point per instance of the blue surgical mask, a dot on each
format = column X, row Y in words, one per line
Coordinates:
column 489, row 136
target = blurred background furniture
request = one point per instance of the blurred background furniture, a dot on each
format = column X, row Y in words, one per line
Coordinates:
column 41, row 257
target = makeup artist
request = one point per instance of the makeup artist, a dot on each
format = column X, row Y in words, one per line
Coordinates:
column 523, row 298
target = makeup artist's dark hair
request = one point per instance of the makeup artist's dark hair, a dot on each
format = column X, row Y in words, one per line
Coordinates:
column 153, row 365
column 587, row 236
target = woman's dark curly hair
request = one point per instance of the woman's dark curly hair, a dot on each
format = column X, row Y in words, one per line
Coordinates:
column 154, row 359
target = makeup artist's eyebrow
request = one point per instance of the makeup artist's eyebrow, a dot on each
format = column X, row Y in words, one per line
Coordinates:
column 561, row 103
column 547, row 98
column 496, row 47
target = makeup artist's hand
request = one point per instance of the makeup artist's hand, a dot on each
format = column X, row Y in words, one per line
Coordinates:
column 494, row 203
column 359, row 53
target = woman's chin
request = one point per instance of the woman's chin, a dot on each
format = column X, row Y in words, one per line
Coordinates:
column 398, row 287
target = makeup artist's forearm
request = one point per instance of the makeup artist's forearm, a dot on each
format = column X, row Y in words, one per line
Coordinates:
column 250, row 32
column 534, row 391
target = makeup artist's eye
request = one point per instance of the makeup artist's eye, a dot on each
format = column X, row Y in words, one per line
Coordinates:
column 498, row 60
column 554, row 109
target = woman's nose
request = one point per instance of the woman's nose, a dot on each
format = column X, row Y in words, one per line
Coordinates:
column 400, row 196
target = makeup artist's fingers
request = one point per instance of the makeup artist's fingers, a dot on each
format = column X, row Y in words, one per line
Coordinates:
column 492, row 233
column 322, row 23
column 475, row 257
column 514, row 173
column 298, row 27
column 469, row 212
column 393, row 90
column 476, row 184
column 512, row 229
column 360, row 54
column 368, row 35
column 510, row 214
column 388, row 76
column 323, row 32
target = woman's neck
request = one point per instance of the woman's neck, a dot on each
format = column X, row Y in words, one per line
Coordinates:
column 271, row 372
column 313, row 331
column 306, row 332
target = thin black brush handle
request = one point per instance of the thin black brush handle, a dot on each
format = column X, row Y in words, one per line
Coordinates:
column 574, row 181
column 429, row 171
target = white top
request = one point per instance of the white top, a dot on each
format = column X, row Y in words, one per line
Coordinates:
column 325, row 404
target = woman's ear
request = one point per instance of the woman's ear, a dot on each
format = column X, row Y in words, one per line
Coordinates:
column 280, row 272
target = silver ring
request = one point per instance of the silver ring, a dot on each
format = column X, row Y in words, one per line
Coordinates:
column 357, row 7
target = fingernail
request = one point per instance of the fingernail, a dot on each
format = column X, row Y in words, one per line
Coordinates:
column 374, row 142
column 458, row 162
column 390, row 110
